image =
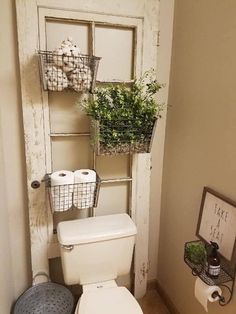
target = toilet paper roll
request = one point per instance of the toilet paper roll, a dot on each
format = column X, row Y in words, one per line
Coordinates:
column 84, row 189
column 203, row 293
column 62, row 190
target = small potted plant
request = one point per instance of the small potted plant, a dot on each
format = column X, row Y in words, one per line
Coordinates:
column 123, row 117
column 195, row 252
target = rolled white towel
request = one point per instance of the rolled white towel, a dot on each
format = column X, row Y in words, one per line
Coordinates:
column 56, row 78
column 80, row 78
column 58, row 57
column 66, row 55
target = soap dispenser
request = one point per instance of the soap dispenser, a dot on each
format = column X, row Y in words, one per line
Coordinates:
column 213, row 261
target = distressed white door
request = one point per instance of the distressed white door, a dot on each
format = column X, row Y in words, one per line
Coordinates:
column 56, row 133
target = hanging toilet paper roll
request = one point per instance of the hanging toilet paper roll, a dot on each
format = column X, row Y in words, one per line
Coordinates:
column 84, row 189
column 203, row 293
column 62, row 190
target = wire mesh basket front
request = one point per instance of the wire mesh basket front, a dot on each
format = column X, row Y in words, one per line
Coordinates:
column 59, row 72
column 121, row 136
column 73, row 196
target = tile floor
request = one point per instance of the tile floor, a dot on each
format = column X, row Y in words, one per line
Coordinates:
column 152, row 303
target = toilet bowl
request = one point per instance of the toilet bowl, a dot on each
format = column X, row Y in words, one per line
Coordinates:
column 94, row 252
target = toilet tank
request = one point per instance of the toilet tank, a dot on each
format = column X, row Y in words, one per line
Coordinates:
column 96, row 249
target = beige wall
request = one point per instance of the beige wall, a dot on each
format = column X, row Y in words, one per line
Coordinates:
column 14, row 240
column 201, row 135
column 6, row 287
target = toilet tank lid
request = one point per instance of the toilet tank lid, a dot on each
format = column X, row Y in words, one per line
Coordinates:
column 95, row 229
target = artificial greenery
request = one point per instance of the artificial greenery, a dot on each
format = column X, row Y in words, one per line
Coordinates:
column 196, row 252
column 126, row 114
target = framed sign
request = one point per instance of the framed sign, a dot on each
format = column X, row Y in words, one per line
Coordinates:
column 217, row 222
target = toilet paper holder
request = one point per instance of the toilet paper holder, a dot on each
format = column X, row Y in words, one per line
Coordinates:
column 225, row 280
column 222, row 300
column 216, row 294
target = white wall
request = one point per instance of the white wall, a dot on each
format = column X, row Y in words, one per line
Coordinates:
column 14, row 243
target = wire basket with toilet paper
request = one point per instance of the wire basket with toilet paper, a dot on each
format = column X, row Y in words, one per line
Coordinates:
column 72, row 190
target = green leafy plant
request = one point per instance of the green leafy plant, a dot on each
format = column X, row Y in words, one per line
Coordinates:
column 196, row 252
column 126, row 114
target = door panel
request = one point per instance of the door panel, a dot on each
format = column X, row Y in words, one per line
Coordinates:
column 59, row 30
column 70, row 153
column 115, row 46
column 113, row 166
column 121, row 40
column 65, row 114
column 118, row 192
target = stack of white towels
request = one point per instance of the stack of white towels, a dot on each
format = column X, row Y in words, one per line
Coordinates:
column 72, row 189
column 69, row 68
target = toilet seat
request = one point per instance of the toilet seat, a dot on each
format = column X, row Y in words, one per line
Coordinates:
column 106, row 301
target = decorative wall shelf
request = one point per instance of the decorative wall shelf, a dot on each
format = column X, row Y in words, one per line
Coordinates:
column 225, row 279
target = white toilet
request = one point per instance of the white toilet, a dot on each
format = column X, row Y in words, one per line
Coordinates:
column 94, row 252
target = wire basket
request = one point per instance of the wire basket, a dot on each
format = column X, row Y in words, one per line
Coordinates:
column 122, row 137
column 73, row 196
column 61, row 72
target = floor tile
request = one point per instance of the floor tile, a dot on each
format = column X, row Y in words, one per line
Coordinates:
column 152, row 303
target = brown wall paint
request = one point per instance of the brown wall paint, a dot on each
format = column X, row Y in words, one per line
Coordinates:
column 200, row 137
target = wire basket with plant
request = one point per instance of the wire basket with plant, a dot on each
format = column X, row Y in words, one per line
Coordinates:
column 123, row 117
column 196, row 252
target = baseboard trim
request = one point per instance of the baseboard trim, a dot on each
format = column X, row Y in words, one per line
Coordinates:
column 155, row 285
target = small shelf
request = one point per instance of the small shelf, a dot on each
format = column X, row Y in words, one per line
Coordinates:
column 226, row 277
column 201, row 271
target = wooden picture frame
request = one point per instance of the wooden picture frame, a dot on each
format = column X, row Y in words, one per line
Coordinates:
column 217, row 222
